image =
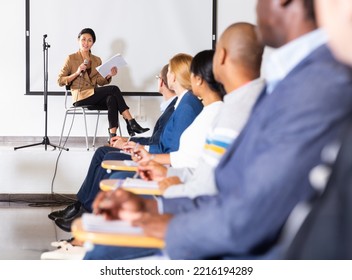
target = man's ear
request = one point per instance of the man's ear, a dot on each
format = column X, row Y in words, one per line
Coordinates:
column 222, row 56
column 285, row 3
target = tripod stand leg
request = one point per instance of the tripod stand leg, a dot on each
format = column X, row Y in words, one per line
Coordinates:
column 26, row 146
column 45, row 142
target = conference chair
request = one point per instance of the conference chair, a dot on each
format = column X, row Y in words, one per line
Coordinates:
column 84, row 111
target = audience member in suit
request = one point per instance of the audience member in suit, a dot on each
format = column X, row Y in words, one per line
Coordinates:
column 327, row 230
column 264, row 173
column 88, row 87
column 96, row 172
column 237, row 67
column 166, row 108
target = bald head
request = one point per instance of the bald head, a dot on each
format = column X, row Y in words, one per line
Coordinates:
column 238, row 55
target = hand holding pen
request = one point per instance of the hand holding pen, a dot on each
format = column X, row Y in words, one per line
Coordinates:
column 118, row 204
column 140, row 154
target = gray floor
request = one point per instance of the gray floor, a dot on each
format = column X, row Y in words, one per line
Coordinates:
column 27, row 231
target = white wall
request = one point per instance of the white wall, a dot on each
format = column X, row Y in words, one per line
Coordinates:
column 23, row 115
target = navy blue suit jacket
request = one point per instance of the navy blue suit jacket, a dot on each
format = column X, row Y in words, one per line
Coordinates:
column 158, row 128
column 187, row 110
column 264, row 174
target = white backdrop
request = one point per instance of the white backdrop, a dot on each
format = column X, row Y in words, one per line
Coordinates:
column 146, row 33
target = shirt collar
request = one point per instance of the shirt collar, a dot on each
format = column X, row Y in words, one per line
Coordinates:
column 166, row 103
column 179, row 98
column 287, row 57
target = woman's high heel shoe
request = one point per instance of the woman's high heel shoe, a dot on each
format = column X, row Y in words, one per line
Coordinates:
column 133, row 127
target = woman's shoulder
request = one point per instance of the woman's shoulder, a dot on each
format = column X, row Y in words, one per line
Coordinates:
column 95, row 58
column 73, row 56
column 189, row 97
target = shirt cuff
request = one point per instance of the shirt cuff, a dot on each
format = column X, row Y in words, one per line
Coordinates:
column 160, row 204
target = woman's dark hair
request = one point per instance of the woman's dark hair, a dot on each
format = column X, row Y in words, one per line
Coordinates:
column 88, row 31
column 202, row 66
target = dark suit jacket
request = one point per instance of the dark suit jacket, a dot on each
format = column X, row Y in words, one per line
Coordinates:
column 264, row 174
column 158, row 128
column 187, row 110
column 326, row 234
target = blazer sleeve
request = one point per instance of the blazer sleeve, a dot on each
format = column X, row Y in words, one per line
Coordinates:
column 64, row 72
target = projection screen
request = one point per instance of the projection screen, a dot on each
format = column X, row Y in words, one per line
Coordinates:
column 146, row 32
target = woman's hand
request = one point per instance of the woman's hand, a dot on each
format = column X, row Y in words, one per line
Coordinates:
column 81, row 68
column 113, row 72
column 138, row 152
column 118, row 141
column 152, row 171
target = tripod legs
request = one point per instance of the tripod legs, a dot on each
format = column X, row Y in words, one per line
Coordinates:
column 45, row 142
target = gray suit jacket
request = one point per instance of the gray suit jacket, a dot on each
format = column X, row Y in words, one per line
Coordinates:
column 264, row 174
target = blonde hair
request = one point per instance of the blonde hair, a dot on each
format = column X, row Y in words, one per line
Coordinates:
column 180, row 65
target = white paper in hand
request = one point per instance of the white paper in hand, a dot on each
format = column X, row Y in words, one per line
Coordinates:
column 97, row 223
column 116, row 61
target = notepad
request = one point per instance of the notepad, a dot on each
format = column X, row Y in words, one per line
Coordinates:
column 139, row 183
column 130, row 163
column 116, row 61
column 97, row 223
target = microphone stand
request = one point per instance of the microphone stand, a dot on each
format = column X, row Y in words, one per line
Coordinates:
column 46, row 141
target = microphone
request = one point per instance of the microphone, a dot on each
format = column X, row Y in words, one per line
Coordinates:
column 85, row 62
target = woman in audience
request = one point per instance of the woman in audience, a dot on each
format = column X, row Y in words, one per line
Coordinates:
column 87, row 85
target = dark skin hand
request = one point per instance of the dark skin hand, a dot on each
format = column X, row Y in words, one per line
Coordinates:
column 124, row 205
column 121, row 204
column 168, row 182
column 154, row 225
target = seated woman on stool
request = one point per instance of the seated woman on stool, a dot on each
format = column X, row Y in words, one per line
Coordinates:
column 87, row 85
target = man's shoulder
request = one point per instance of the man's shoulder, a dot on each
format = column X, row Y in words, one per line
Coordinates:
column 318, row 71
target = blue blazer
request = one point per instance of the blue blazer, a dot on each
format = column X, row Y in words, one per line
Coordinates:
column 187, row 110
column 264, row 174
